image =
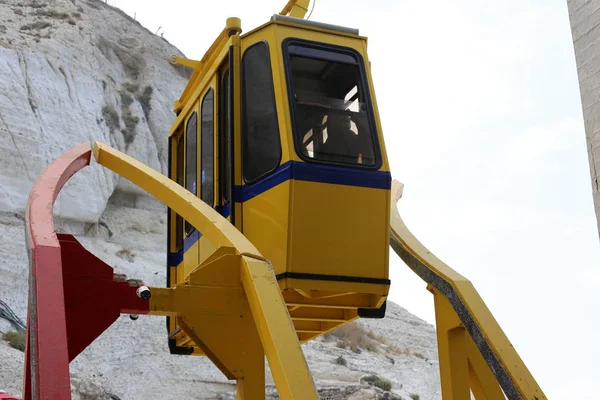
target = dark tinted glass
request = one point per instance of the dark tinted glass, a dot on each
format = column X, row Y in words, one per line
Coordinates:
column 225, row 143
column 180, row 177
column 208, row 151
column 191, row 135
column 261, row 144
column 330, row 107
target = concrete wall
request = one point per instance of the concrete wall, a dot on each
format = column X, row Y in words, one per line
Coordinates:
column 585, row 26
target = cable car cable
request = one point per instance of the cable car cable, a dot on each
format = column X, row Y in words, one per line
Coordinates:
column 312, row 9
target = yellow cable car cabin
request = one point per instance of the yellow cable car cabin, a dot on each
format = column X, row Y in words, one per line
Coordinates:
column 278, row 130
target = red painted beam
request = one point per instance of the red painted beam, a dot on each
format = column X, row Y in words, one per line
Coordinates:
column 93, row 298
column 46, row 352
column 73, row 295
column 4, row 396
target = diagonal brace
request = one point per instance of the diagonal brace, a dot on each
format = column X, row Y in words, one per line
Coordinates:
column 276, row 330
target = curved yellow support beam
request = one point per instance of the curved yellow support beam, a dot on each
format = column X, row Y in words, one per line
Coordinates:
column 457, row 294
column 273, row 323
column 203, row 217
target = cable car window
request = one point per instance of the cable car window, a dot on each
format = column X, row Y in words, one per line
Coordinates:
column 191, row 134
column 260, row 135
column 225, row 141
column 180, row 178
column 330, row 104
column 208, row 150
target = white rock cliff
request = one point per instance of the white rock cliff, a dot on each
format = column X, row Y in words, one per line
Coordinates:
column 77, row 71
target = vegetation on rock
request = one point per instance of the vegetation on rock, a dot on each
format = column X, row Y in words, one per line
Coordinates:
column 15, row 339
column 377, row 381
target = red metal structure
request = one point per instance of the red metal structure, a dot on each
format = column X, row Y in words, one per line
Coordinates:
column 73, row 295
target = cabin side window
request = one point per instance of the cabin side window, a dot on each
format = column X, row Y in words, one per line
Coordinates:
column 180, row 180
column 208, row 151
column 225, row 142
column 332, row 113
column 260, row 132
column 191, row 135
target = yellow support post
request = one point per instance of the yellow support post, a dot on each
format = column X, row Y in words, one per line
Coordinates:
column 497, row 364
column 462, row 367
column 213, row 310
column 281, row 345
column 452, row 351
column 481, row 378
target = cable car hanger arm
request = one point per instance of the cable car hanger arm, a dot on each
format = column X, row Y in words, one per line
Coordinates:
column 296, row 8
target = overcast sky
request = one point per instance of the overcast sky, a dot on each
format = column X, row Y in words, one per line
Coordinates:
column 480, row 108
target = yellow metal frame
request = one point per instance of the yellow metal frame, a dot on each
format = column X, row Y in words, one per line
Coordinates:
column 236, row 288
column 474, row 352
column 236, row 282
column 233, row 27
column 231, row 305
column 295, row 8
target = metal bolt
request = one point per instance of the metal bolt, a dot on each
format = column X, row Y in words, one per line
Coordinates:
column 143, row 292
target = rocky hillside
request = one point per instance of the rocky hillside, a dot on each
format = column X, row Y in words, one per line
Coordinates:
column 77, row 71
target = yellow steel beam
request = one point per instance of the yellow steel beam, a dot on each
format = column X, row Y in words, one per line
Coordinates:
column 315, row 288
column 202, row 216
column 509, row 370
column 452, row 351
column 323, row 314
column 306, row 336
column 349, row 301
column 281, row 345
column 318, row 319
column 482, row 380
column 315, row 326
column 296, row 8
column 212, row 309
column 178, row 300
column 216, row 323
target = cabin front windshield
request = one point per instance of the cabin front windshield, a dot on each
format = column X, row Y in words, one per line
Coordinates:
column 331, row 111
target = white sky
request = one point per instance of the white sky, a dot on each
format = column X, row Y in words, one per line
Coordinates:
column 482, row 120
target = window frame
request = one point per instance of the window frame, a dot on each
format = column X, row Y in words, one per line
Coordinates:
column 321, row 51
column 185, row 133
column 243, row 119
column 180, row 179
column 210, row 90
column 225, row 131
